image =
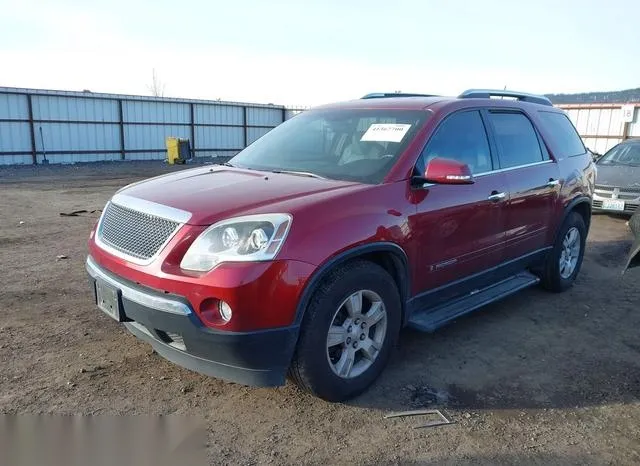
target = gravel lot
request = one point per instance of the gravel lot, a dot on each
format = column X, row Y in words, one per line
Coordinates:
column 536, row 379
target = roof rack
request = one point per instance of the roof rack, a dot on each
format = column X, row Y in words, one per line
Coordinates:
column 522, row 96
column 382, row 95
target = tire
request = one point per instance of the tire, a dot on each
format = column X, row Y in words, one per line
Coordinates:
column 554, row 277
column 315, row 366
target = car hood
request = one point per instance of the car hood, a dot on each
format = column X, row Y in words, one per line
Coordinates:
column 618, row 176
column 214, row 193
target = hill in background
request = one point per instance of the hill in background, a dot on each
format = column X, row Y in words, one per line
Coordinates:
column 609, row 97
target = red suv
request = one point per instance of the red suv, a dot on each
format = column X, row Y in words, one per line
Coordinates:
column 310, row 250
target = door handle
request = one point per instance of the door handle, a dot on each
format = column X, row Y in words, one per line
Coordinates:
column 553, row 183
column 496, row 196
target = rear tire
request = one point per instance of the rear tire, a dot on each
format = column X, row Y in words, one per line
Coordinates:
column 563, row 262
column 341, row 351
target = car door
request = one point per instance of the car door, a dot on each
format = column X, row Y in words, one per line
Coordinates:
column 532, row 179
column 459, row 229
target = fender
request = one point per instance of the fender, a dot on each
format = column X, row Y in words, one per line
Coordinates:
column 401, row 263
column 569, row 208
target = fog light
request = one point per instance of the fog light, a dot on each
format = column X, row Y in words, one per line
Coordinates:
column 214, row 312
column 225, row 311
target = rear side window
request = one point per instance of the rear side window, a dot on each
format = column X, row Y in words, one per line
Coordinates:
column 565, row 137
column 516, row 139
column 461, row 137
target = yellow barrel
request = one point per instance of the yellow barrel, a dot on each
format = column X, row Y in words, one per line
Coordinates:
column 173, row 152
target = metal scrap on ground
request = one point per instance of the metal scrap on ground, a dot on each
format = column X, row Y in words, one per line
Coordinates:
column 76, row 213
column 443, row 420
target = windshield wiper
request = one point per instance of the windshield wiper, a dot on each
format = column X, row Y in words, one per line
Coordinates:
column 293, row 172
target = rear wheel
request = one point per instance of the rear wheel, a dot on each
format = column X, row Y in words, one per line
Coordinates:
column 563, row 263
column 349, row 329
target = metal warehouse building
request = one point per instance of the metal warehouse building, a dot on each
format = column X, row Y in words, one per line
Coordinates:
column 68, row 127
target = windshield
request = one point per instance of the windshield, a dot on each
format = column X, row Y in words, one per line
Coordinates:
column 622, row 154
column 352, row 145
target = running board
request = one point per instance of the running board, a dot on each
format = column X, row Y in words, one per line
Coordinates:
column 430, row 320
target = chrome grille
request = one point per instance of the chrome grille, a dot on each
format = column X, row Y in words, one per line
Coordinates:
column 133, row 233
column 606, row 195
column 629, row 196
column 612, row 192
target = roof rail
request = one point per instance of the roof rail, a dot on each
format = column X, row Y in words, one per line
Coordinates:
column 382, row 95
column 488, row 93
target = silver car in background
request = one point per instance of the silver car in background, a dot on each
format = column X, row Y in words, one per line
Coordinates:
column 617, row 187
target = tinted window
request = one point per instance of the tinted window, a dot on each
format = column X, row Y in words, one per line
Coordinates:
column 565, row 137
column 460, row 137
column 341, row 144
column 516, row 139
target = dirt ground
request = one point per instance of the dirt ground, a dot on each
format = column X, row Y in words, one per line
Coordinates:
column 536, row 379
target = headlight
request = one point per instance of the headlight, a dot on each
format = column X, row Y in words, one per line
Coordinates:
column 242, row 239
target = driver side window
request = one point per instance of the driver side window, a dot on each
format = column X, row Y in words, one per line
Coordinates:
column 461, row 137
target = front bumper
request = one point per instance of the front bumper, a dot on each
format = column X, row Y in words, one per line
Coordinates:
column 601, row 196
column 169, row 324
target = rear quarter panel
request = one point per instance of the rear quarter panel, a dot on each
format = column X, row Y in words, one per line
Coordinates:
column 577, row 174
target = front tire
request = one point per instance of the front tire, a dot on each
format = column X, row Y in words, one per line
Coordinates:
column 350, row 327
column 563, row 262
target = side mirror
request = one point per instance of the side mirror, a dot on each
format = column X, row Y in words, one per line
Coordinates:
column 447, row 171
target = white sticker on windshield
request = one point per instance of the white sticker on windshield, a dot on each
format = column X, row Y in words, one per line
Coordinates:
column 385, row 132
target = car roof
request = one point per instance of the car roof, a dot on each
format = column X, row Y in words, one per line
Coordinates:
column 399, row 103
column 470, row 98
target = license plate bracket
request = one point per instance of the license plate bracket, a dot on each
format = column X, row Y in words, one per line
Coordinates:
column 108, row 300
column 613, row 204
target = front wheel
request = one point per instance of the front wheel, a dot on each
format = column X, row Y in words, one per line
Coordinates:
column 565, row 259
column 349, row 329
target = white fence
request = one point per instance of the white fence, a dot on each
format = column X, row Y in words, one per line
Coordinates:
column 602, row 126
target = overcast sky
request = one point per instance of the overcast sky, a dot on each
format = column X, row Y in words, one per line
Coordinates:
column 311, row 52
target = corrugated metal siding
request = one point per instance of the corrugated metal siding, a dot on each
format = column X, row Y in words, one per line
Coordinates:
column 253, row 134
column 219, row 138
column 601, row 145
column 600, row 125
column 15, row 160
column 85, row 127
column 217, row 153
column 264, row 116
column 156, row 112
column 141, row 137
column 78, row 137
column 218, row 114
column 601, row 122
column 78, row 157
column 146, row 156
column 74, row 109
column 15, row 137
column 13, row 107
